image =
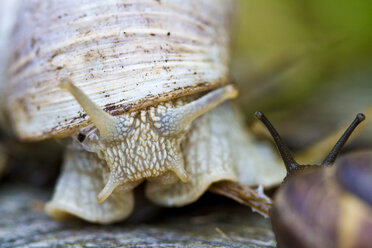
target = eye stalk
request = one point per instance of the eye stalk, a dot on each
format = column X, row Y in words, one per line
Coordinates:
column 330, row 159
column 106, row 123
column 291, row 165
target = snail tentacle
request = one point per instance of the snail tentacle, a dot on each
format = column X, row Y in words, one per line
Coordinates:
column 175, row 120
column 330, row 159
column 290, row 164
column 111, row 184
column 110, row 127
column 178, row 167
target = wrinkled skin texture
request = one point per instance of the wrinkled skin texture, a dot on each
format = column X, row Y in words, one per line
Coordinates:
column 210, row 152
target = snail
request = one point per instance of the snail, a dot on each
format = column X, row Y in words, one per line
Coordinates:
column 138, row 91
column 327, row 205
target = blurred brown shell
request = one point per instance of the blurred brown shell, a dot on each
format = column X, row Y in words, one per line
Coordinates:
column 329, row 207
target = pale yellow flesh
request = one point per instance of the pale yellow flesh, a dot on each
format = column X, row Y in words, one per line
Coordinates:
column 218, row 148
column 82, row 175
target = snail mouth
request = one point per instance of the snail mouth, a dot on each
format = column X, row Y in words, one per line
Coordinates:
column 114, row 182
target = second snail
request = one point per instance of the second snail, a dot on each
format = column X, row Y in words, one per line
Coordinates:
column 327, row 205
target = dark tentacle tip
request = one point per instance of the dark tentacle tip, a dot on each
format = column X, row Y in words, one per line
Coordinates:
column 361, row 117
column 258, row 115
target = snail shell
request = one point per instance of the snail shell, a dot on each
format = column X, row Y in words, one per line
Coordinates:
column 151, row 79
column 126, row 55
column 329, row 207
column 8, row 10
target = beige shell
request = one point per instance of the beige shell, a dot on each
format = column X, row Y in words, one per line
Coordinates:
column 8, row 13
column 126, row 55
column 160, row 68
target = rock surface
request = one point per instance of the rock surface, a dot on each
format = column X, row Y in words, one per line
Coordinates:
column 211, row 222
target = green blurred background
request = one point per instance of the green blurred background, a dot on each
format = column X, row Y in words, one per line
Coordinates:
column 306, row 63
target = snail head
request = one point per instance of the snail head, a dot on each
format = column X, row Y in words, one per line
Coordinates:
column 291, row 165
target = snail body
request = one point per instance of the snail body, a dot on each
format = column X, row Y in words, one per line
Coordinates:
column 324, row 209
column 327, row 205
column 140, row 90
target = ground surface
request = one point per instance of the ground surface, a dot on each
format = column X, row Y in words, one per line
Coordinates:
column 211, row 222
